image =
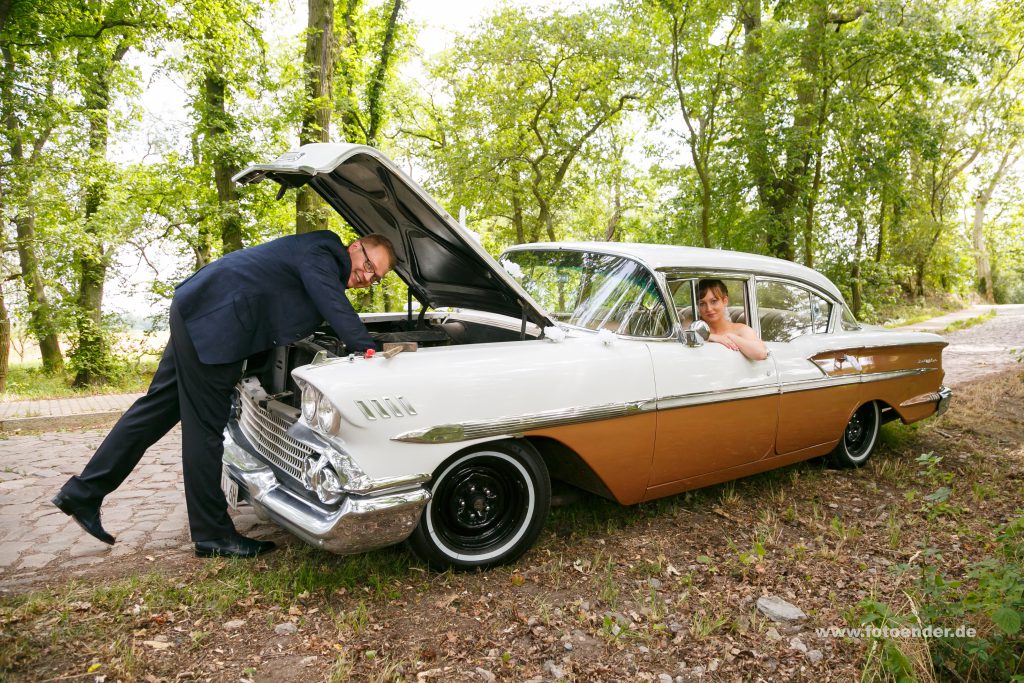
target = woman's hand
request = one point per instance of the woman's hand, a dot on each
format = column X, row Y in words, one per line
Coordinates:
column 727, row 340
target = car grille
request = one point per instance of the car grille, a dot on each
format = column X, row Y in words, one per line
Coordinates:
column 267, row 433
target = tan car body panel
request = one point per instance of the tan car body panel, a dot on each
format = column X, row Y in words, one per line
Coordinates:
column 707, row 444
column 619, row 451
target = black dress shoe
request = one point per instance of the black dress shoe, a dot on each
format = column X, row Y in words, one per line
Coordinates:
column 233, row 546
column 87, row 516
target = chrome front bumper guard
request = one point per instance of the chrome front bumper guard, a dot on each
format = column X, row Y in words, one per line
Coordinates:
column 359, row 524
column 945, row 394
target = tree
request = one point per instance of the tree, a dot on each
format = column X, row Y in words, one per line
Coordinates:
column 528, row 96
column 701, row 63
column 374, row 43
column 318, row 74
column 30, row 109
column 225, row 62
column 101, row 36
column 787, row 84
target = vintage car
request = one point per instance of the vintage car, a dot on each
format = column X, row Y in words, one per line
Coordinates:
column 583, row 363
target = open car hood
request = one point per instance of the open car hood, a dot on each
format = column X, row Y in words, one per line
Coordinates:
column 439, row 260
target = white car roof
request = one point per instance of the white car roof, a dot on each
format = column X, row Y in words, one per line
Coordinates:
column 668, row 257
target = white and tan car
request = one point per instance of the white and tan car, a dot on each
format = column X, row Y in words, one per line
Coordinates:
column 578, row 362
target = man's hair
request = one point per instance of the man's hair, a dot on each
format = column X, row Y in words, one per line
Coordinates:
column 375, row 239
column 710, row 283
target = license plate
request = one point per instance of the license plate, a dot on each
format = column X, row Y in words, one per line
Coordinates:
column 230, row 488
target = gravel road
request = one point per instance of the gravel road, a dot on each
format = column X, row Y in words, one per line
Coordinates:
column 985, row 348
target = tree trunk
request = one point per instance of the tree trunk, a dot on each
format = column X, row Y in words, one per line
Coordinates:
column 216, row 120
column 983, row 267
column 5, row 342
column 40, row 314
column 375, row 94
column 91, row 354
column 857, row 292
column 350, row 126
column 612, row 225
column 880, row 245
column 318, row 75
column 517, row 218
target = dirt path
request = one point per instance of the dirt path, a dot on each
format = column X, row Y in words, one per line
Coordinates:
column 986, row 348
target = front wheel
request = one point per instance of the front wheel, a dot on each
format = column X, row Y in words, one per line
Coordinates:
column 859, row 438
column 488, row 505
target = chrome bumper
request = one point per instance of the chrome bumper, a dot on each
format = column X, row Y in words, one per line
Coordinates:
column 945, row 394
column 359, row 524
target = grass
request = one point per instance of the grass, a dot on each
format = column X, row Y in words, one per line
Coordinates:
column 28, row 382
column 915, row 311
column 970, row 322
column 792, row 529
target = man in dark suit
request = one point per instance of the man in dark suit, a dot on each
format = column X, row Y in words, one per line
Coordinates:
column 243, row 303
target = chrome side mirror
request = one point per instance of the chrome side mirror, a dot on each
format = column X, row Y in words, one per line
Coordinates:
column 697, row 333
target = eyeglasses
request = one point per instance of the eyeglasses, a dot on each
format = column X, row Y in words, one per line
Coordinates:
column 368, row 267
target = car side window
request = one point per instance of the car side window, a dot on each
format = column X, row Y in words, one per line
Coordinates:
column 788, row 311
column 847, row 322
column 682, row 299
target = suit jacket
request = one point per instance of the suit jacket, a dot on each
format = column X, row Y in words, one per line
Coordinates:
column 270, row 295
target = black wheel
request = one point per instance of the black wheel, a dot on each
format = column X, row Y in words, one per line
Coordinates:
column 859, row 438
column 487, row 507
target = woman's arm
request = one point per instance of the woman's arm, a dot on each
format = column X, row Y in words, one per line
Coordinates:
column 747, row 343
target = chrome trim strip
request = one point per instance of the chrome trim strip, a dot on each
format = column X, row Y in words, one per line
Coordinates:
column 405, row 404
column 395, row 410
column 808, row 384
column 508, row 426
column 511, row 426
column 930, row 397
column 366, row 410
column 381, row 410
column 707, row 397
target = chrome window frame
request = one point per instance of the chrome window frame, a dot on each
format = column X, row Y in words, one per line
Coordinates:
column 807, row 286
column 694, row 275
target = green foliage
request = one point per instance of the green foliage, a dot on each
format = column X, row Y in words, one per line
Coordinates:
column 535, row 101
column 29, row 382
column 851, row 137
column 982, row 615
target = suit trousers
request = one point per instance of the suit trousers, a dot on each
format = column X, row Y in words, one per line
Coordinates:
column 186, row 390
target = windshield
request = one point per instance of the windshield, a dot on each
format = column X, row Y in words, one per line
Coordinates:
column 594, row 291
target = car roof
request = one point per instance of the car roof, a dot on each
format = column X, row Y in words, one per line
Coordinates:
column 671, row 257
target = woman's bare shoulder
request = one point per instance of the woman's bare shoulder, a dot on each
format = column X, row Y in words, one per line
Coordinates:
column 743, row 330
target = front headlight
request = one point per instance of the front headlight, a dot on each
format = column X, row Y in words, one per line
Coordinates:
column 310, row 397
column 327, row 417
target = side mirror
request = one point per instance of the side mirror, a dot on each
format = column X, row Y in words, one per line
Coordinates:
column 696, row 334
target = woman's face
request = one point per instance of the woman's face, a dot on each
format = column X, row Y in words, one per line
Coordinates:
column 712, row 305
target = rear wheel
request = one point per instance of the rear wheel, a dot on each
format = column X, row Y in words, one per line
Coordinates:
column 488, row 505
column 859, row 438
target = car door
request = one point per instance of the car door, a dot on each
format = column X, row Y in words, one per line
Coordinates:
column 819, row 387
column 717, row 410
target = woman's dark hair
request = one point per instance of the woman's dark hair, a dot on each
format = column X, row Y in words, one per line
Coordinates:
column 710, row 283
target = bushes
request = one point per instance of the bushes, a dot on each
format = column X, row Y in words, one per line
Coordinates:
column 983, row 615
